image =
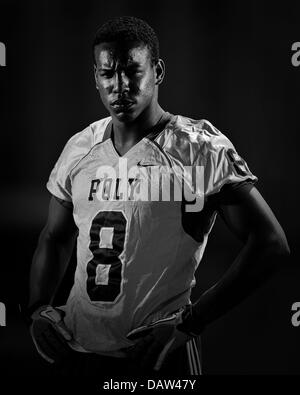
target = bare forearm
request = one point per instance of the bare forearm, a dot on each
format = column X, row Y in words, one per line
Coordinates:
column 252, row 267
column 48, row 266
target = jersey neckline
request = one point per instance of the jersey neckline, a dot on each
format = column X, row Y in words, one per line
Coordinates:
column 155, row 131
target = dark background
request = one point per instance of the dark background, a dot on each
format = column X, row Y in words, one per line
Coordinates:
column 228, row 62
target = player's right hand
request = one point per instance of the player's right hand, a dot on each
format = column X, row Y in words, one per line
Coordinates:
column 50, row 334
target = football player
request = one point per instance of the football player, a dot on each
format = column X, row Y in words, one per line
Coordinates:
column 140, row 238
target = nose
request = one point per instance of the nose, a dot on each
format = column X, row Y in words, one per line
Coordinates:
column 121, row 84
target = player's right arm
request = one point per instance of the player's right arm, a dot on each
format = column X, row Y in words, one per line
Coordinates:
column 48, row 330
column 52, row 254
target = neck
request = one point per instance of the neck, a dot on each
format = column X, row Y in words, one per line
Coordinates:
column 130, row 133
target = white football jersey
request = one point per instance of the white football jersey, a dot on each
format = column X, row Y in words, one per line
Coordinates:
column 140, row 240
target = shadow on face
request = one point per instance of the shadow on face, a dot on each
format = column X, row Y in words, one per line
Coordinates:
column 126, row 78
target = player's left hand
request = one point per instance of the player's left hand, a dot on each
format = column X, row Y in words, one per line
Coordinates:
column 154, row 342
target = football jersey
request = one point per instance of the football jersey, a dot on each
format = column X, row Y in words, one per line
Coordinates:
column 138, row 244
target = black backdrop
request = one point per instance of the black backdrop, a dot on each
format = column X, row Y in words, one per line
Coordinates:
column 228, row 62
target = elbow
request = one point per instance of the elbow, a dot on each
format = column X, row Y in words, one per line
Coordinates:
column 273, row 251
column 285, row 249
column 277, row 245
column 277, row 253
column 273, row 244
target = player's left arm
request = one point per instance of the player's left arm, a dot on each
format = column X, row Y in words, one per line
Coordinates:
column 265, row 248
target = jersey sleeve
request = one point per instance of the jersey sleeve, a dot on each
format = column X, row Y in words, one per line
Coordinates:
column 59, row 183
column 224, row 166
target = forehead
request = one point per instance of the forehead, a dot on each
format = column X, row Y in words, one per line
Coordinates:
column 108, row 54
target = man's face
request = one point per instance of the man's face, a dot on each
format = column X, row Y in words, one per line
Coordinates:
column 126, row 79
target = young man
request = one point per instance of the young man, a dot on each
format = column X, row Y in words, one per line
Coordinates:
column 138, row 246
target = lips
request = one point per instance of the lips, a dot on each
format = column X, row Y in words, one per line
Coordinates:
column 122, row 104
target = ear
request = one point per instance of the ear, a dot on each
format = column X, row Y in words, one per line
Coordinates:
column 160, row 71
column 95, row 75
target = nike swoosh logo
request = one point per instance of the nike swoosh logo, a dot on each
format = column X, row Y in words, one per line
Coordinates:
column 146, row 164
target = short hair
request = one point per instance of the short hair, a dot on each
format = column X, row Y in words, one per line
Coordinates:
column 128, row 28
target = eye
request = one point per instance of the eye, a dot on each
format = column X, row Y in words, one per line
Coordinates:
column 134, row 72
column 106, row 73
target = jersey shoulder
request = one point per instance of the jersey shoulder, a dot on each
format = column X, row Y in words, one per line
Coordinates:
column 82, row 142
column 77, row 147
column 192, row 139
column 191, row 142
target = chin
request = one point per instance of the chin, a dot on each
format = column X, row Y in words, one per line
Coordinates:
column 124, row 116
